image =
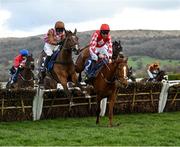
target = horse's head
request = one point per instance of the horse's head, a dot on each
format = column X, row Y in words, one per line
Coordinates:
column 160, row 76
column 29, row 62
column 71, row 41
column 122, row 71
column 117, row 48
column 130, row 71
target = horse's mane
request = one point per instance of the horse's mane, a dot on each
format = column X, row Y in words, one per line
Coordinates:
column 84, row 48
column 68, row 31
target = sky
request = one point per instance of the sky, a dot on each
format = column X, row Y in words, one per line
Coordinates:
column 22, row 18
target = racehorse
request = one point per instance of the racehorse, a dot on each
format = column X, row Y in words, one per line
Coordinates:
column 84, row 54
column 25, row 77
column 107, row 79
column 161, row 76
column 64, row 69
column 105, row 84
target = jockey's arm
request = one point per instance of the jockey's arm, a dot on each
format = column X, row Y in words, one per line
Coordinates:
column 16, row 62
column 109, row 44
column 92, row 47
column 51, row 39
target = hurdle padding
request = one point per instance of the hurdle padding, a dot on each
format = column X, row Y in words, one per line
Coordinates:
column 173, row 100
column 57, row 104
column 138, row 97
column 16, row 104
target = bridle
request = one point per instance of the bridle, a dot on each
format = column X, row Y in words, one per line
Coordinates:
column 116, row 76
column 65, row 42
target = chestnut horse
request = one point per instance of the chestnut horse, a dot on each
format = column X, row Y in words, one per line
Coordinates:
column 106, row 81
column 105, row 84
column 26, row 76
column 64, row 68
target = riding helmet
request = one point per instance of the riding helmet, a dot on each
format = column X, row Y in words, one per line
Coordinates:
column 24, row 52
column 59, row 24
column 105, row 27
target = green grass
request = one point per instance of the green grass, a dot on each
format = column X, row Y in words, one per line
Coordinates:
column 148, row 60
column 134, row 129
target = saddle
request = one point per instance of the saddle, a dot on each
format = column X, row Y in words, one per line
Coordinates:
column 95, row 68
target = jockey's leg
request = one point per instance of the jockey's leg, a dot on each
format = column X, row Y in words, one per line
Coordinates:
column 150, row 75
column 15, row 76
column 12, row 70
column 47, row 61
column 48, row 49
column 88, row 66
column 43, row 70
column 96, row 66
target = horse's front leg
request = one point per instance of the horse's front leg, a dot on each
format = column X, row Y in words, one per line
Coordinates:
column 98, row 110
column 75, row 80
column 63, row 81
column 112, row 99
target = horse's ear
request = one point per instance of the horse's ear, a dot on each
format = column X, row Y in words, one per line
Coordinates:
column 75, row 31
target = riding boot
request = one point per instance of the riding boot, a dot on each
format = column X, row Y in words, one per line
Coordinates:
column 41, row 77
column 46, row 62
column 44, row 69
column 15, row 76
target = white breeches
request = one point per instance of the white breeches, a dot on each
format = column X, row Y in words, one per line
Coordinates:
column 102, row 50
column 48, row 48
column 151, row 75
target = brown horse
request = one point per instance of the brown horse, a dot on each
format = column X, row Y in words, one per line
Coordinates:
column 106, row 81
column 26, row 76
column 64, row 69
column 105, row 84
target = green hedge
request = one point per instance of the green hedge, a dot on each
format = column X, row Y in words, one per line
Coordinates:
column 174, row 76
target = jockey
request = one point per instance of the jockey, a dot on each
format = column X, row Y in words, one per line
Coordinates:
column 153, row 70
column 19, row 63
column 100, row 47
column 52, row 40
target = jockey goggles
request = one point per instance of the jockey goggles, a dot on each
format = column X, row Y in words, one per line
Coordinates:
column 105, row 32
column 59, row 30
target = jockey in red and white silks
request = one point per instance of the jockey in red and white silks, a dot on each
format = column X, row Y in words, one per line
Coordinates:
column 52, row 40
column 100, row 47
column 53, row 37
column 100, row 44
